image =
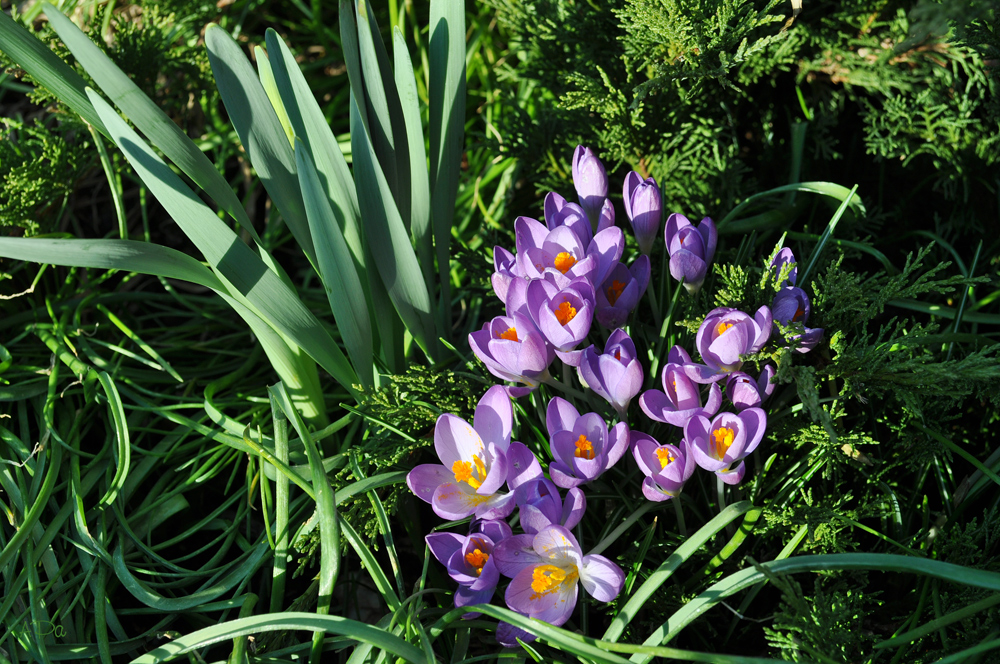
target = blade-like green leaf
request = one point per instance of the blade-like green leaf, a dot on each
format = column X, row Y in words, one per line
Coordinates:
column 45, row 67
column 385, row 120
column 271, row 89
column 447, row 133
column 161, row 131
column 835, row 191
column 343, row 286
column 123, row 452
column 384, row 229
column 247, row 275
column 286, row 621
column 420, row 191
column 259, row 130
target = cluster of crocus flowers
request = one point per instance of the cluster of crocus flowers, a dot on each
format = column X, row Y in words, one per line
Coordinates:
column 565, row 274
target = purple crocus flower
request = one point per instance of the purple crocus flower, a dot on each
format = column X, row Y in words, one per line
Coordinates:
column 607, row 219
column 563, row 316
column 620, row 293
column 473, row 462
column 691, row 249
column 469, row 560
column 505, row 270
column 591, row 182
column 513, row 349
column 724, row 335
column 680, row 399
column 791, row 305
column 718, row 444
column 745, row 392
column 547, row 568
column 615, row 375
column 782, row 258
column 666, row 467
column 540, row 505
column 607, row 247
column 581, row 445
column 644, row 208
column 557, row 252
column 560, row 212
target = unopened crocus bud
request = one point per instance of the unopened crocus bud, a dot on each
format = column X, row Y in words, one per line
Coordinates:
column 745, row 392
column 591, row 182
column 644, row 208
column 691, row 249
column 616, row 375
column 782, row 258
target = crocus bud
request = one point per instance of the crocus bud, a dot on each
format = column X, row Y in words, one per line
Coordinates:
column 781, row 259
column 644, row 208
column 591, row 181
column 615, row 375
column 691, row 249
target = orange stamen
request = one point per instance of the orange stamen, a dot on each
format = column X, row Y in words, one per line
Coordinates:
column 464, row 472
column 546, row 579
column 564, row 261
column 584, row 448
column 565, row 312
column 798, row 314
column 477, row 559
column 721, row 440
column 510, row 334
column 615, row 291
column 721, row 328
column 664, row 456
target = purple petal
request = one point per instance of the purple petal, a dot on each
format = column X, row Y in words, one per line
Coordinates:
column 494, row 418
column 444, row 545
column 515, row 554
column 601, row 578
column 455, row 440
column 554, row 606
column 522, row 466
column 732, row 476
column 652, row 491
column 424, row 479
column 573, row 508
column 560, row 415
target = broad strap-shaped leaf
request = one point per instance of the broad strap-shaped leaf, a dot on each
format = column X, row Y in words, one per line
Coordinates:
column 245, row 274
column 309, row 124
column 271, row 90
column 420, row 189
column 343, row 287
column 259, row 130
column 447, row 130
column 397, row 264
column 145, row 114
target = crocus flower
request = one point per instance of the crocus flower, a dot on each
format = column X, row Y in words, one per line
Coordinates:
column 680, row 399
column 620, row 293
column 666, row 467
column 591, row 182
column 644, row 208
column 513, row 349
column 473, row 462
column 691, row 249
column 560, row 212
column 563, row 316
column 469, row 560
column 745, row 392
column 724, row 335
column 558, row 252
column 615, row 375
column 539, row 505
column 718, row 444
column 782, row 258
column 547, row 568
column 581, row 445
column 791, row 305
column 505, row 269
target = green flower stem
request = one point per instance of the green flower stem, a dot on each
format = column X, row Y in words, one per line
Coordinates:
column 662, row 343
column 679, row 511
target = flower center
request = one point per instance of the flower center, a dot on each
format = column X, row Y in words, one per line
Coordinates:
column 510, row 334
column 618, row 354
column 665, row 457
column 721, row 328
column 546, row 579
column 565, row 312
column 615, row 291
column 584, row 448
column 477, row 559
column 798, row 314
column 464, row 472
column 722, row 438
column 564, row 261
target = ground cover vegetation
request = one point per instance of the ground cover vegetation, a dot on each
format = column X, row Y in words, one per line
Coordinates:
column 324, row 324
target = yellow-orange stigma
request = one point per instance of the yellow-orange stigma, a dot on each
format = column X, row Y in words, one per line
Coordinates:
column 510, row 334
column 547, row 578
column 464, row 472
column 664, row 456
column 477, row 559
column 565, row 312
column 564, row 261
column 721, row 328
column 584, row 448
column 615, row 291
column 721, row 439
column 798, row 314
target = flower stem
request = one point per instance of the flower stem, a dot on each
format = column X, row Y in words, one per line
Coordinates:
column 662, row 342
column 679, row 511
column 720, row 487
column 654, row 302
